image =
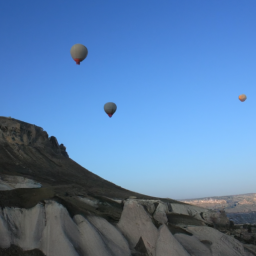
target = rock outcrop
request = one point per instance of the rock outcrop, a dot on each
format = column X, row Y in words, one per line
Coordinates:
column 20, row 134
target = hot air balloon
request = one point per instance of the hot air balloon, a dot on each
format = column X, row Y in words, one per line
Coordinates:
column 78, row 53
column 110, row 108
column 242, row 97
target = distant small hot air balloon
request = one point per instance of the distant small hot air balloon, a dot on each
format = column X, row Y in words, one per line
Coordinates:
column 242, row 97
column 110, row 108
column 78, row 53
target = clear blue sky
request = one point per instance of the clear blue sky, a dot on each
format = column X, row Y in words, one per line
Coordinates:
column 175, row 70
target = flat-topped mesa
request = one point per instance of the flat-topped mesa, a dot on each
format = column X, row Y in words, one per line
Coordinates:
column 16, row 132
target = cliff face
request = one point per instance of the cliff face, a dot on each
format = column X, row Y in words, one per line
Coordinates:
column 19, row 134
column 52, row 206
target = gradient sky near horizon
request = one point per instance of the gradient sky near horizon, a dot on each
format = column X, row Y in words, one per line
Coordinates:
column 174, row 69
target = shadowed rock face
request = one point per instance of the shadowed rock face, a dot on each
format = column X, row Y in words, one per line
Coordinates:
column 52, row 206
column 14, row 250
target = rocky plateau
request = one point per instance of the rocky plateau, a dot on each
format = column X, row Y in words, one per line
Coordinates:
column 241, row 209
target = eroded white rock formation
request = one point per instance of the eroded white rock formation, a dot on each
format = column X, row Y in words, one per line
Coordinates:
column 50, row 228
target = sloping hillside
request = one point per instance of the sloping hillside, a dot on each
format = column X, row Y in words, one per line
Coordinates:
column 51, row 206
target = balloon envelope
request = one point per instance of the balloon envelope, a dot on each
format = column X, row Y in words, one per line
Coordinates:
column 242, row 97
column 110, row 108
column 78, row 53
